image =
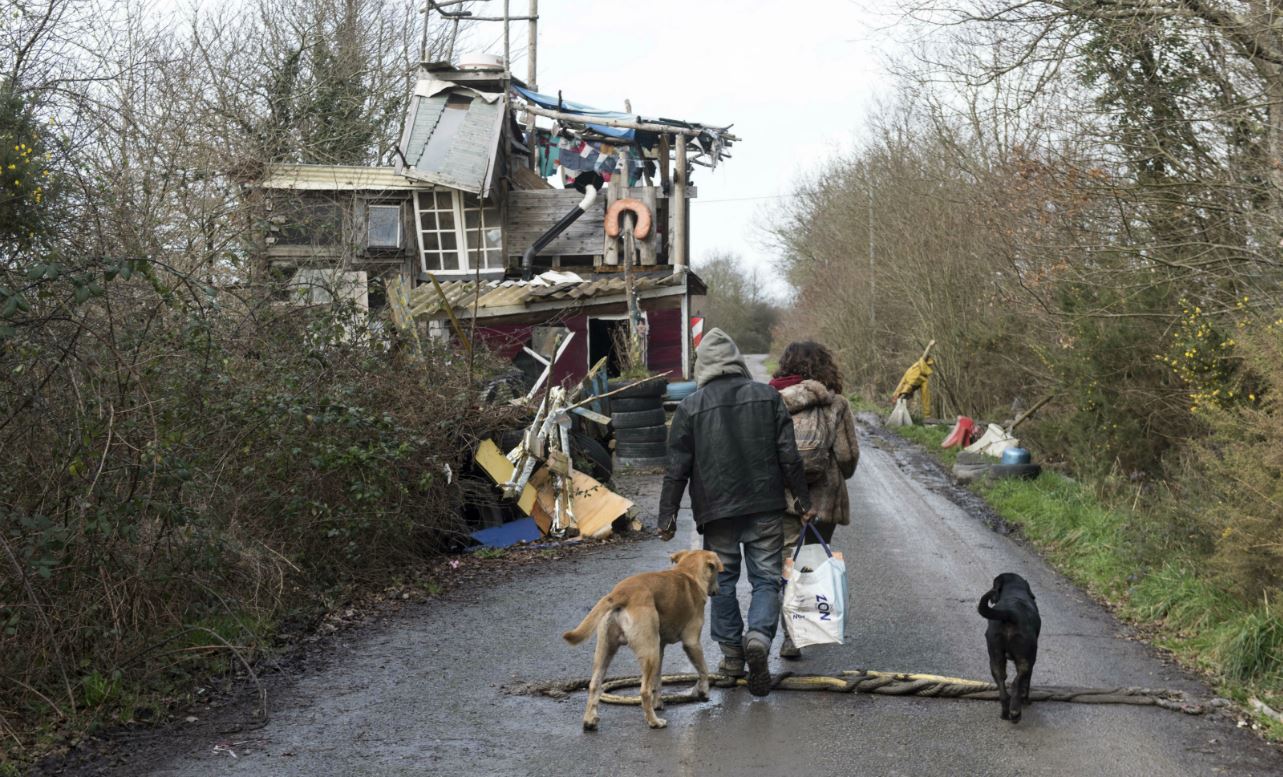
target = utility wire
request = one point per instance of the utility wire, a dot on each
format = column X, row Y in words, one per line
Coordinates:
column 745, row 199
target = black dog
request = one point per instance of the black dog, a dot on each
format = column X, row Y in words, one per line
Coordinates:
column 1012, row 635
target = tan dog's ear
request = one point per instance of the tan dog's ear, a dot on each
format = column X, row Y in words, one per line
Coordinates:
column 677, row 556
column 716, row 564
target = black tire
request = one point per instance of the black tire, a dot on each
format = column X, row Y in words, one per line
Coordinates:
column 509, row 439
column 655, row 417
column 967, row 473
column 651, row 388
column 1026, row 471
column 592, row 456
column 634, row 405
column 642, row 434
column 965, row 458
column 641, row 450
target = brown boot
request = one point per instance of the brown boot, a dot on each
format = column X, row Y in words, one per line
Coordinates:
column 789, row 650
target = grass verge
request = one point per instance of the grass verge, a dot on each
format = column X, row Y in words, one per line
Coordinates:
column 1180, row 607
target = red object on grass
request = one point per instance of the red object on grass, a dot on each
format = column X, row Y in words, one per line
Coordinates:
column 962, row 434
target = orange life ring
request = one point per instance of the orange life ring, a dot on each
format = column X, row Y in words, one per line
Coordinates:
column 617, row 208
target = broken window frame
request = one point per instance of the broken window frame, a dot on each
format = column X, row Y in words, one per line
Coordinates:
column 446, row 221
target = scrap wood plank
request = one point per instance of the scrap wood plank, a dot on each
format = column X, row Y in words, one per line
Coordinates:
column 497, row 466
column 596, row 507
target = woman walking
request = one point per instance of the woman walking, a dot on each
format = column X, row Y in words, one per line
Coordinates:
column 810, row 383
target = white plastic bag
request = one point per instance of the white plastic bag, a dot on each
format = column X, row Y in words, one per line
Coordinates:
column 993, row 442
column 900, row 415
column 815, row 600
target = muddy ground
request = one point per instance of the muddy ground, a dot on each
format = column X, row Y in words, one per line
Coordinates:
column 421, row 690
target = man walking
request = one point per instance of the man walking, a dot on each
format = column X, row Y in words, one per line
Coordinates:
column 732, row 440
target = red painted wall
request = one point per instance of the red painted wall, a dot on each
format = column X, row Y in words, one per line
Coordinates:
column 508, row 339
column 664, row 346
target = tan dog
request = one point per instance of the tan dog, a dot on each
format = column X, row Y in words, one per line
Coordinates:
column 649, row 611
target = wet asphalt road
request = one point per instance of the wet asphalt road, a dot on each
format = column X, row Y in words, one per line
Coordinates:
column 420, row 694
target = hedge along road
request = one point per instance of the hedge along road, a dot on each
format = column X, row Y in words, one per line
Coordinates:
column 421, row 693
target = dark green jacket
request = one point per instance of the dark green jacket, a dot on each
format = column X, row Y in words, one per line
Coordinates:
column 732, row 440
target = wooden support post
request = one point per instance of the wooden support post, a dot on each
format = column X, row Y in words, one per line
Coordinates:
column 678, row 201
column 665, row 181
column 1025, row 415
column 615, row 190
column 531, row 60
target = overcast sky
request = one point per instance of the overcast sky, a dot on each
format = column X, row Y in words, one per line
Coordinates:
column 795, row 79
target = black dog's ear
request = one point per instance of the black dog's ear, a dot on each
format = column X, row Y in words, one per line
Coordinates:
column 997, row 587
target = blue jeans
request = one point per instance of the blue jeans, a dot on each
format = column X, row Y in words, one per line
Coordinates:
column 762, row 536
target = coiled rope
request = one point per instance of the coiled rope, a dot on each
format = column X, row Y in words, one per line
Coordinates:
column 884, row 683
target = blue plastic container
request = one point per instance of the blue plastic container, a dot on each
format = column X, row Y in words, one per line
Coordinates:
column 1016, row 456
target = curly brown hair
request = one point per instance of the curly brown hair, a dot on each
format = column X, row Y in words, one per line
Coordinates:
column 810, row 361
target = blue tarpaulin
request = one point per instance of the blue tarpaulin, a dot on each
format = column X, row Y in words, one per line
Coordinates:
column 523, row 530
column 587, row 111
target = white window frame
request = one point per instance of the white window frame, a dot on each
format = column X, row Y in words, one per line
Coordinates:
column 491, row 255
column 399, row 241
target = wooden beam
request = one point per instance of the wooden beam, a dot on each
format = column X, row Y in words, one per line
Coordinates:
column 645, row 126
column 532, row 47
column 678, row 248
column 665, row 180
column 1021, row 418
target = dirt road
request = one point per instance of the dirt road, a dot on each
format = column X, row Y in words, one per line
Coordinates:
column 421, row 694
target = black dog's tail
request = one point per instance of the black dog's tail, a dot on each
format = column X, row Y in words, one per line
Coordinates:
column 998, row 613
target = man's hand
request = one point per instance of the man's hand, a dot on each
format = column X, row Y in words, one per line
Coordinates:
column 808, row 516
column 667, row 531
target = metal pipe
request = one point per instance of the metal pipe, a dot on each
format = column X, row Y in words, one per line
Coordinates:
column 528, row 258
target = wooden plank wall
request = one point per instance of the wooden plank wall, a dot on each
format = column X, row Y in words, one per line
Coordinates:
column 531, row 213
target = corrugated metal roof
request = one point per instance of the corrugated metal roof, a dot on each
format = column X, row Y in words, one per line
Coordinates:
column 425, row 302
column 451, row 138
column 336, row 178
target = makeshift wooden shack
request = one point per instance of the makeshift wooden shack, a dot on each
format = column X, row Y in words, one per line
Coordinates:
column 469, row 194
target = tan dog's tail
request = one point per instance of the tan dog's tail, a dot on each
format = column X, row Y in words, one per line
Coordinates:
column 604, row 606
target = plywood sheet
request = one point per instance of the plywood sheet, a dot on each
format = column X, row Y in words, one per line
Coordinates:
column 497, row 466
column 595, row 506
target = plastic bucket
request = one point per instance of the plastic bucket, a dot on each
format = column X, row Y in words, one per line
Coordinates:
column 1016, row 456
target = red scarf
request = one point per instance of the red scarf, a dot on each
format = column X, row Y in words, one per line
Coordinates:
column 781, row 383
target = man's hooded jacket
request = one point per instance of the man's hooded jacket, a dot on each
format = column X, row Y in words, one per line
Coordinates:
column 732, row 440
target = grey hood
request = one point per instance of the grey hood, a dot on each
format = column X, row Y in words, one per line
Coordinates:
column 717, row 355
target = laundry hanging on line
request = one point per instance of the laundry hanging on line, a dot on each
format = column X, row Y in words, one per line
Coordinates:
column 577, row 156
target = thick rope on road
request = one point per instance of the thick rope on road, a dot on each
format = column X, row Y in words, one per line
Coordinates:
column 884, row 683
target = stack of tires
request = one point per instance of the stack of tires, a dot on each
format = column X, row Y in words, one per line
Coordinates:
column 637, row 415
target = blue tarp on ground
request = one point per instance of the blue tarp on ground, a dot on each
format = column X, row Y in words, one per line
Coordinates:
column 523, row 530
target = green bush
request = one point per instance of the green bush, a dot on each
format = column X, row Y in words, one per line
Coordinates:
column 1233, row 478
column 180, row 469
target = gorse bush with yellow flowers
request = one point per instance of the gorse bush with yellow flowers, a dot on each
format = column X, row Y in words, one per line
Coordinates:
column 25, row 172
column 1233, row 478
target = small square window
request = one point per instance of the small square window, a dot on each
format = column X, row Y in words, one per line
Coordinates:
column 384, row 226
